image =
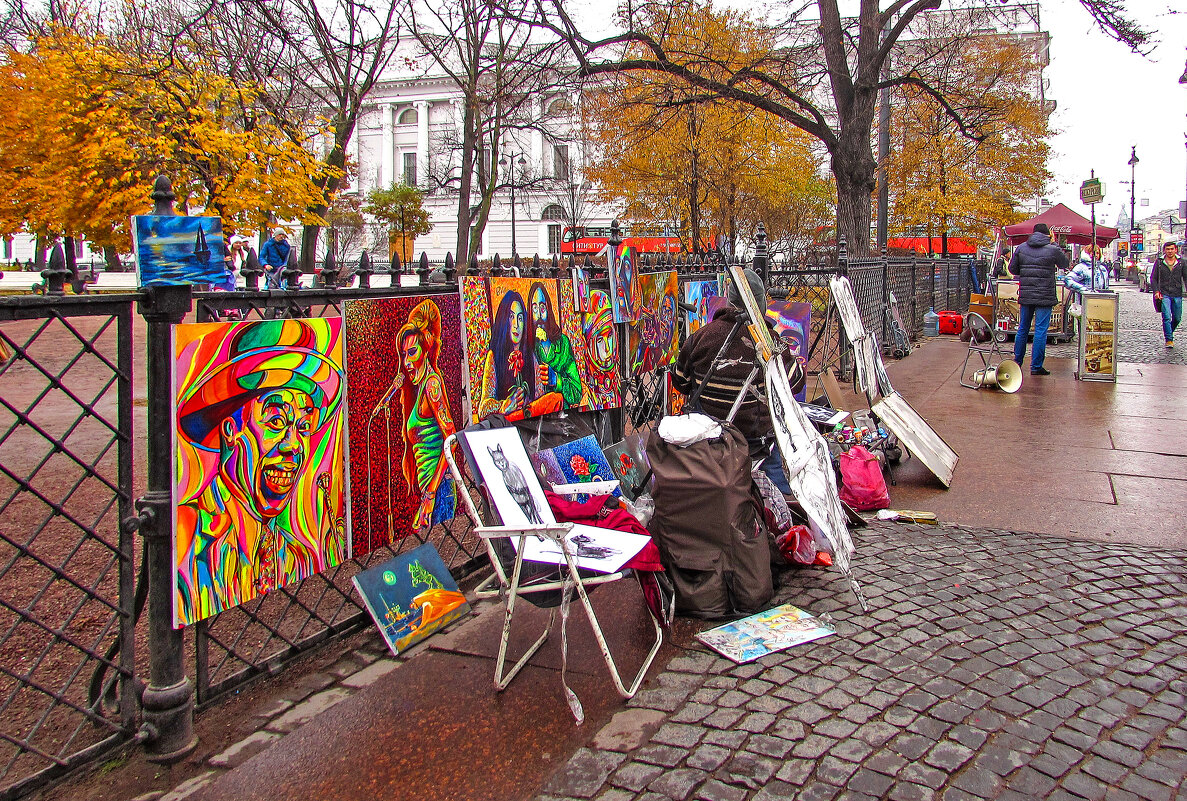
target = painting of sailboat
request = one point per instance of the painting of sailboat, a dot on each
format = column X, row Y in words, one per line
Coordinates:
column 178, row 250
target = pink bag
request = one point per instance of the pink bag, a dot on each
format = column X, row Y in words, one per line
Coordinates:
column 862, row 484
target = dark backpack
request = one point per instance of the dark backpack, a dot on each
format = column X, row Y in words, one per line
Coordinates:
column 708, row 526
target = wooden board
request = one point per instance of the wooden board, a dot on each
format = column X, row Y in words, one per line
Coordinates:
column 917, row 436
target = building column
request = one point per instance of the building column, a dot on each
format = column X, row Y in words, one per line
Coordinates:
column 387, row 155
column 422, row 141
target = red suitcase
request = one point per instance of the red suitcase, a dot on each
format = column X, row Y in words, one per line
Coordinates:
column 951, row 322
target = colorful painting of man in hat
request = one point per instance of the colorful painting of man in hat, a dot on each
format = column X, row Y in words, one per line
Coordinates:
column 259, row 476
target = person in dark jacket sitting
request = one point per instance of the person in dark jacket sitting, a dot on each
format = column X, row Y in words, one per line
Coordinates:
column 753, row 418
column 1036, row 263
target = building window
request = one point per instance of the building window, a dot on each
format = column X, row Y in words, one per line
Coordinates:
column 554, row 238
column 560, row 162
column 410, row 169
column 554, row 212
column 559, row 107
column 8, row 248
column 408, row 117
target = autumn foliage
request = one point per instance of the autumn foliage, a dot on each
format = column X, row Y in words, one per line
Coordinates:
column 88, row 128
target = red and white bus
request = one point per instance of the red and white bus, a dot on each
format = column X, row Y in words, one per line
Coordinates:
column 644, row 238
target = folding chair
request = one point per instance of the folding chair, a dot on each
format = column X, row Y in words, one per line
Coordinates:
column 563, row 578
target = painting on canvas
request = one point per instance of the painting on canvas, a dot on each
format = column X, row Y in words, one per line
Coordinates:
column 259, row 481
column 653, row 338
column 404, row 369
column 603, row 377
column 699, row 294
column 526, row 349
column 793, row 323
column 178, row 250
column 628, row 462
column 624, row 286
column 410, row 596
column 573, row 462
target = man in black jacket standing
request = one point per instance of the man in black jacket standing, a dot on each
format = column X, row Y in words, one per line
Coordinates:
column 1035, row 263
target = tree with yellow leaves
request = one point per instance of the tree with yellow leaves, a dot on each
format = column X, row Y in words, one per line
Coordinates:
column 712, row 165
column 942, row 181
column 87, row 130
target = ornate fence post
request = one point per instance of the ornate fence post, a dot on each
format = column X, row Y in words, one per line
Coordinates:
column 614, row 240
column 329, row 270
column 168, row 701
column 365, row 270
column 762, row 264
column 291, row 275
column 56, row 272
column 252, row 271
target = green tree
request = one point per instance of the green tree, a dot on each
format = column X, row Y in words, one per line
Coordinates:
column 401, row 210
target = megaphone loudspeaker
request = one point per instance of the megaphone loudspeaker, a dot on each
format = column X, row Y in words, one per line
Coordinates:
column 1006, row 376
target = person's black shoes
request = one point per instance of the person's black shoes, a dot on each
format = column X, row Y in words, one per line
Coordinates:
column 1041, row 371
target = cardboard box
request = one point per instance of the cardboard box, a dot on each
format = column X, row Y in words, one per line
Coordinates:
column 982, row 305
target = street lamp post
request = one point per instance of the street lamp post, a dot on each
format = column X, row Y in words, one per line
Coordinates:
column 1133, row 222
column 504, row 161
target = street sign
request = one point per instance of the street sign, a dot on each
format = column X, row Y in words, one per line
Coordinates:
column 1092, row 191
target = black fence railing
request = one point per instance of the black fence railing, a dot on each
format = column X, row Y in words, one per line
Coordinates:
column 70, row 599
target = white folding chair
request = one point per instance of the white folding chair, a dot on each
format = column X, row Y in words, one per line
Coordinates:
column 567, row 578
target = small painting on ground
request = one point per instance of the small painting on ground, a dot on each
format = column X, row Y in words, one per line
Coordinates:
column 765, row 633
column 410, row 596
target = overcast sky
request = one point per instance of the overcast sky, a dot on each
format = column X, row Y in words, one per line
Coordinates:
column 1111, row 99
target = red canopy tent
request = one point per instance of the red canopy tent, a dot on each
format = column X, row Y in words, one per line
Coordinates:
column 919, row 244
column 1064, row 223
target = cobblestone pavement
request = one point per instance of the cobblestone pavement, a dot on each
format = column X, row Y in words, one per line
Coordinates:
column 991, row 665
column 1139, row 332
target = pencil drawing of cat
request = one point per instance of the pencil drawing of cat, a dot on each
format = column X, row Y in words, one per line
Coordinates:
column 516, row 483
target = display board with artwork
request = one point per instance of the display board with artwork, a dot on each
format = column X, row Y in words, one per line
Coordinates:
column 259, row 480
column 653, row 338
column 699, row 294
column 410, row 596
column 518, row 497
column 178, row 250
column 577, row 462
column 793, row 324
column 624, row 286
column 526, row 349
column 404, row 367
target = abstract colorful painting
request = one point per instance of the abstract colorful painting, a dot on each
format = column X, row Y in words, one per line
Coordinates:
column 259, row 479
column 573, row 462
column 653, row 338
column 526, row 349
column 601, row 353
column 178, row 250
column 698, row 294
column 793, row 322
column 628, row 462
column 404, row 369
column 624, row 286
column 410, row 596
column 580, row 290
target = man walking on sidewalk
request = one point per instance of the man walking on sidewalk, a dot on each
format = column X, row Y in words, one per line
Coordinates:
column 1167, row 279
column 1036, row 262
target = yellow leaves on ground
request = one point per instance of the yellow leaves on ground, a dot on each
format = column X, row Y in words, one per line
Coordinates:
column 88, row 128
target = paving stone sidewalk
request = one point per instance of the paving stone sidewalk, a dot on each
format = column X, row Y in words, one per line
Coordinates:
column 992, row 665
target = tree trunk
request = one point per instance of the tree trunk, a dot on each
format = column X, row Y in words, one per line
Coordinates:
column 310, row 233
column 855, row 170
column 111, row 259
column 463, row 195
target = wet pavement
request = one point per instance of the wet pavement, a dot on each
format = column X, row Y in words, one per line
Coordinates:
column 1030, row 647
column 991, row 665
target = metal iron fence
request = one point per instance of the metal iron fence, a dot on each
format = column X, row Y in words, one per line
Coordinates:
column 67, row 565
column 70, row 599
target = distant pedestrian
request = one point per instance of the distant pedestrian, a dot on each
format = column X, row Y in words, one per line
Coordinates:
column 274, row 255
column 1036, row 263
column 1167, row 279
column 1084, row 278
